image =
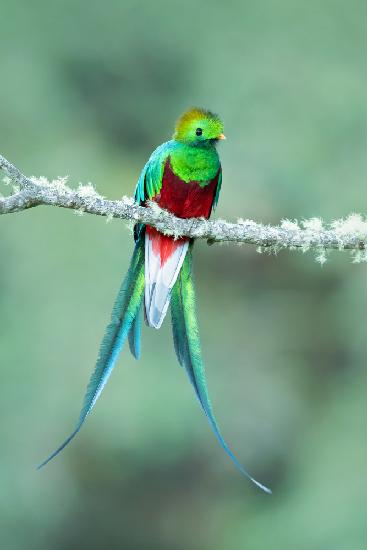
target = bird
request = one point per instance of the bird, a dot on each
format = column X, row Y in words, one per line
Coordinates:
column 183, row 176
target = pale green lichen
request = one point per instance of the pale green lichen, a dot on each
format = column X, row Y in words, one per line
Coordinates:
column 59, row 184
column 359, row 256
column 87, row 190
column 129, row 201
column 313, row 224
column 352, row 225
column 130, row 226
column 321, row 258
column 289, row 225
column 308, row 234
column 247, row 222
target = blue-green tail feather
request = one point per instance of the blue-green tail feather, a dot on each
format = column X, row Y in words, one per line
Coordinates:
column 124, row 322
column 187, row 345
column 135, row 336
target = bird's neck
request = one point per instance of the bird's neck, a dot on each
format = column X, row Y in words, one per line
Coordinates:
column 193, row 163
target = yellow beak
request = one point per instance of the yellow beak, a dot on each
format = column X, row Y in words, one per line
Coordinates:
column 221, row 136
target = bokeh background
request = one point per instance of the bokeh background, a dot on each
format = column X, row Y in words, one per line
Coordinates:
column 88, row 89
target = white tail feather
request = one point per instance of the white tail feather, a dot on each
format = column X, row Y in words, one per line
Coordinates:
column 159, row 280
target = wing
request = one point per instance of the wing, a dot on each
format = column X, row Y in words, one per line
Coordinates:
column 217, row 191
column 150, row 180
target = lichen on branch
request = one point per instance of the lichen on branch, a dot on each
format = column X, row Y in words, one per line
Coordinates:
column 349, row 233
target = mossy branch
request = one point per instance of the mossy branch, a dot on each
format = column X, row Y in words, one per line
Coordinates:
column 349, row 233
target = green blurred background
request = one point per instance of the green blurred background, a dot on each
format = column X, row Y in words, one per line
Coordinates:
column 88, row 89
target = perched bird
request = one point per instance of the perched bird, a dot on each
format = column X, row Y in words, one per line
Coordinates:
column 183, row 176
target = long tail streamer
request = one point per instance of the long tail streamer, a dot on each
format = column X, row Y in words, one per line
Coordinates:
column 188, row 350
column 124, row 322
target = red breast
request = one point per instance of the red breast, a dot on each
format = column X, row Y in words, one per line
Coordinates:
column 186, row 200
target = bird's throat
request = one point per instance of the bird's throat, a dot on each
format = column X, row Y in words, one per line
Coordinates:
column 195, row 163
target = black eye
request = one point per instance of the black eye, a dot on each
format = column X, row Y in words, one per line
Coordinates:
column 198, row 131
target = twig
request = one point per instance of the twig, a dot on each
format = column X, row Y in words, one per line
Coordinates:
column 349, row 233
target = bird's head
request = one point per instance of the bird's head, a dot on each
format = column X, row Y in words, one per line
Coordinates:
column 198, row 127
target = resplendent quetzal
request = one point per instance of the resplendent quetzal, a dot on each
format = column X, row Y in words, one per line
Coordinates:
column 183, row 176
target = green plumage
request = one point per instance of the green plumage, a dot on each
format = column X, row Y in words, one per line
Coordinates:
column 198, row 164
column 187, row 346
column 193, row 160
column 124, row 322
column 135, row 336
